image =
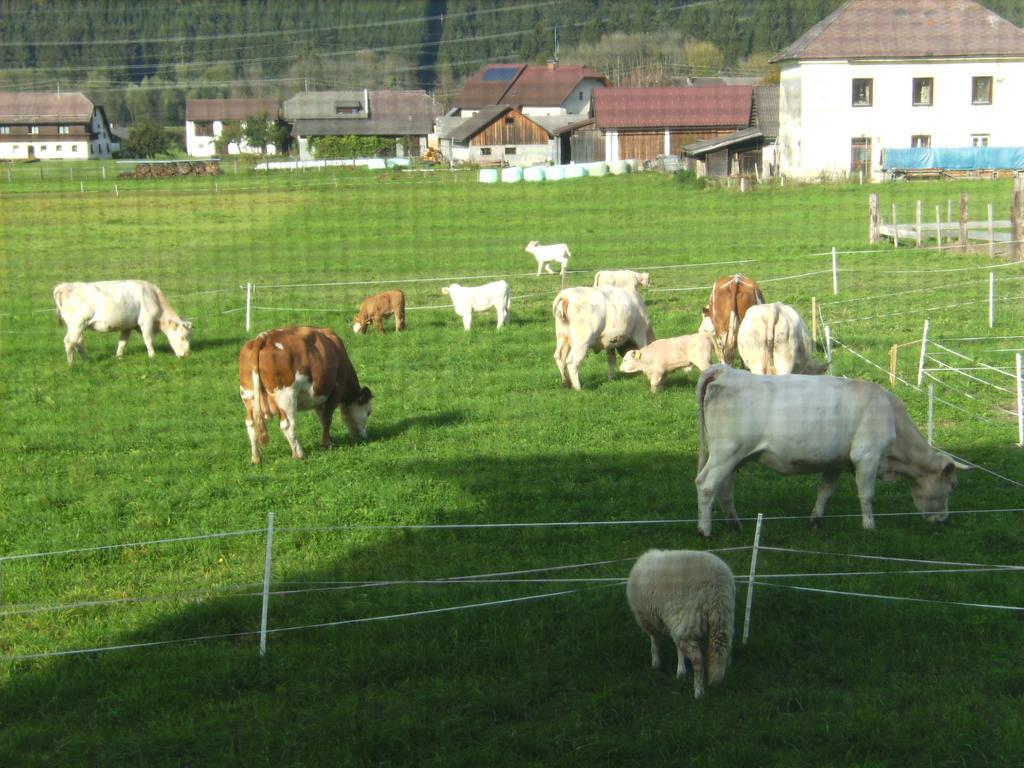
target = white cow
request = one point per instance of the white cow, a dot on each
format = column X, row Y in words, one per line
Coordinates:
column 480, row 298
column 661, row 357
column 773, row 339
column 545, row 254
column 119, row 305
column 587, row 319
column 624, row 278
column 806, row 424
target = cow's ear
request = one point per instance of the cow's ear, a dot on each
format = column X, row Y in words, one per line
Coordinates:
column 706, row 311
column 365, row 395
column 186, row 324
column 952, row 466
column 173, row 323
column 636, row 354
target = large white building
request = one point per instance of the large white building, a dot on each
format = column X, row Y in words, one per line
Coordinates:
column 880, row 74
column 205, row 120
column 53, row 126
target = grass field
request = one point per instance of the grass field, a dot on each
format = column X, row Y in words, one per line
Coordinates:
column 473, row 429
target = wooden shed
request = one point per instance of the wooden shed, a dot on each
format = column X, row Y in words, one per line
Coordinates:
column 500, row 135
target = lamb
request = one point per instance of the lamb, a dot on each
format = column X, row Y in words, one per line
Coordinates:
column 689, row 595
column 623, row 278
column 480, row 298
column 660, row 357
column 375, row 308
column 545, row 254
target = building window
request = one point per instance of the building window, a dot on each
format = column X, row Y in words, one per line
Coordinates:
column 5, row 130
column 979, row 140
column 204, row 128
column 510, row 150
column 485, row 151
column 347, row 109
column 74, row 147
column 42, row 148
column 33, row 129
column 60, row 147
column 860, row 156
column 510, row 121
column 920, row 141
column 581, row 95
column 981, row 90
column 862, row 91
column 63, row 129
column 923, row 91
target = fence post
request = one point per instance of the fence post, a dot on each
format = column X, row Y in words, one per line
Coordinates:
column 248, row 306
column 895, row 228
column 991, row 299
column 81, row 186
column 1020, row 405
column 924, row 347
column 963, row 221
column 814, row 319
column 103, row 172
column 931, row 413
column 991, row 234
column 917, row 221
column 938, row 227
column 894, row 351
column 835, row 272
column 828, row 346
column 1015, row 214
column 750, row 578
column 873, row 226
column 266, row 584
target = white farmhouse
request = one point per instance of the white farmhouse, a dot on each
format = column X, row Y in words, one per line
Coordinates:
column 53, row 126
column 205, row 120
column 880, row 74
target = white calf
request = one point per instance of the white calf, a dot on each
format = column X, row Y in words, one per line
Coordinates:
column 480, row 298
column 545, row 254
column 624, row 278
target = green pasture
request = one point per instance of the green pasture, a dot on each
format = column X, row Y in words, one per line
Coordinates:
column 549, row 493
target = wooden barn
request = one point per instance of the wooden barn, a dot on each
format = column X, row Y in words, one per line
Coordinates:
column 499, row 135
column 642, row 123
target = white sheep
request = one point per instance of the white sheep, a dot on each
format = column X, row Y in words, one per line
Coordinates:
column 689, row 595
column 480, row 298
column 623, row 278
column 545, row 254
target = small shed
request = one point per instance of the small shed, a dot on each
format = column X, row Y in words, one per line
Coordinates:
column 499, row 135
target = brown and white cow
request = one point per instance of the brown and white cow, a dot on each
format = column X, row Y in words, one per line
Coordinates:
column 288, row 370
column 377, row 307
column 731, row 297
column 119, row 305
column 773, row 339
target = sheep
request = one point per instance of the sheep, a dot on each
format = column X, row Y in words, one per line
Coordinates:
column 690, row 595
column 623, row 278
column 545, row 254
column 468, row 300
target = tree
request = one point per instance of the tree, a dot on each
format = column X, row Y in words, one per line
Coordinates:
column 261, row 131
column 231, row 133
column 146, row 139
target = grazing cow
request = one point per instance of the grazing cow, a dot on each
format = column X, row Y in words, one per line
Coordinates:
column 480, row 298
column 624, row 278
column 606, row 317
column 545, row 254
column 773, row 339
column 294, row 369
column 377, row 307
column 119, row 305
column 806, row 424
column 663, row 356
column 731, row 297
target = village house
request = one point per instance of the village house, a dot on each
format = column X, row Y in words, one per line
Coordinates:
column 746, row 152
column 205, row 120
column 878, row 74
column 403, row 119
column 53, row 126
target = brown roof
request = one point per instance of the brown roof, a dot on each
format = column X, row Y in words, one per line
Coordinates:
column 706, row 106
column 907, row 29
column 519, row 85
column 72, row 107
column 229, row 109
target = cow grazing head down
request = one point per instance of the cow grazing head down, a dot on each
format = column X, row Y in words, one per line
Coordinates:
column 179, row 334
column 356, row 413
column 931, row 491
column 357, row 326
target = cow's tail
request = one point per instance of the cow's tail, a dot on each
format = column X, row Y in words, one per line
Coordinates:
column 59, row 294
column 706, row 379
column 768, row 360
column 259, row 421
column 561, row 308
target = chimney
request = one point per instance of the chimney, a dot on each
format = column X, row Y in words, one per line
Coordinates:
column 552, row 63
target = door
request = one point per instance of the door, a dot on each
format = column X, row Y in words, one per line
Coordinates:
column 860, row 156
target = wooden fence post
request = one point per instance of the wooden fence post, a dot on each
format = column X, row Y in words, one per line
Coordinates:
column 895, row 228
column 917, row 221
column 873, row 228
column 1016, row 250
column 814, row 319
column 938, row 227
column 894, row 351
column 963, row 221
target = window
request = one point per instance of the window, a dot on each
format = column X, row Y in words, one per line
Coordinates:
column 860, row 155
column 42, row 148
column 5, row 130
column 923, row 91
column 920, row 141
column 74, row 147
column 862, row 91
column 63, row 129
column 981, row 90
column 204, row 128
column 347, row 109
column 581, row 95
column 510, row 150
column 33, row 129
column 510, row 121
column 485, row 151
column 979, row 140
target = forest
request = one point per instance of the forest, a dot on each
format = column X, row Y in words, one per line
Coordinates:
column 141, row 61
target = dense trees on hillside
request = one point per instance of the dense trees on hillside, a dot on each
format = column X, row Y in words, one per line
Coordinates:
column 141, row 60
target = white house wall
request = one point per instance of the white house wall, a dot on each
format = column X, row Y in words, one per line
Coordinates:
column 203, row 146
column 817, row 120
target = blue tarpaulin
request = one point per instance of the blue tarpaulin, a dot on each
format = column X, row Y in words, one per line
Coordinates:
column 955, row 159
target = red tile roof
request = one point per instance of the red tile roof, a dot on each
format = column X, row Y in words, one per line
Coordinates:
column 519, row 85
column 907, row 29
column 697, row 107
column 71, row 107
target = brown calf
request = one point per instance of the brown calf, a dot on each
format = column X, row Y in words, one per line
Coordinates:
column 296, row 369
column 375, row 308
column 731, row 297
